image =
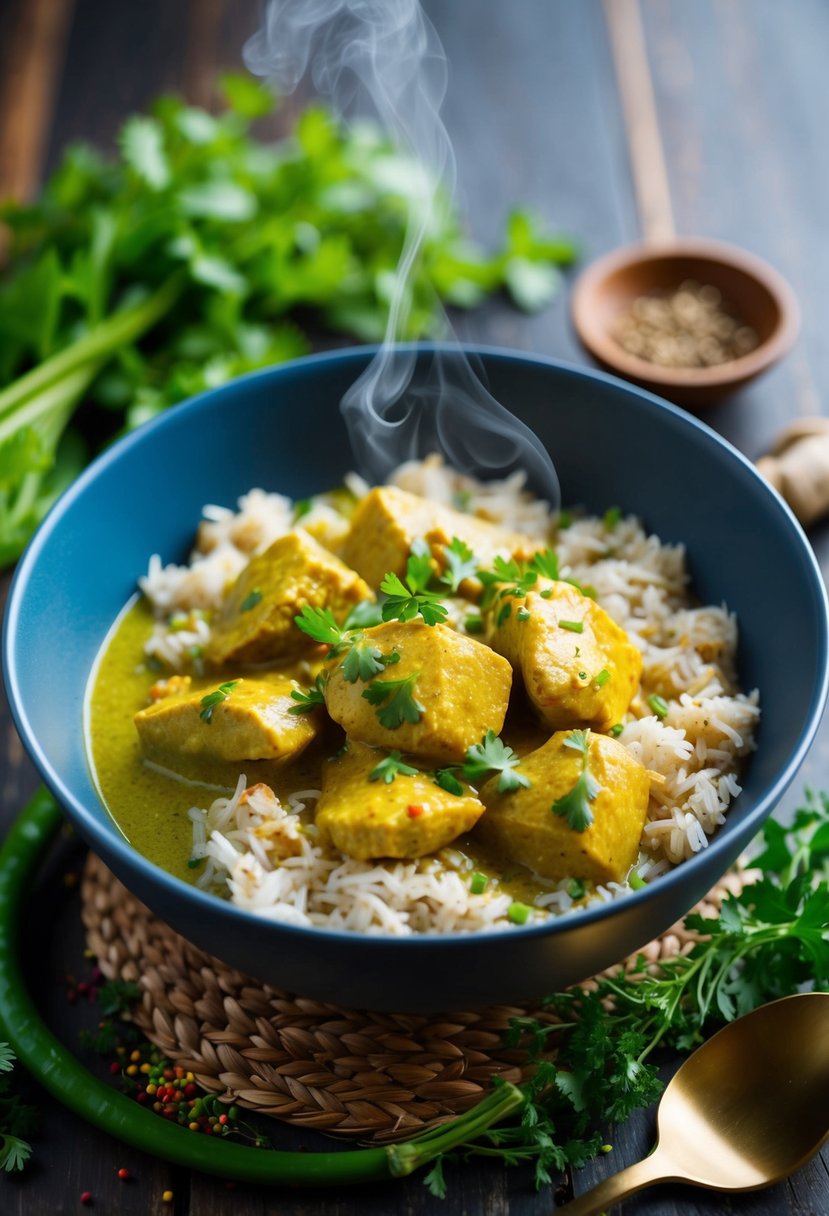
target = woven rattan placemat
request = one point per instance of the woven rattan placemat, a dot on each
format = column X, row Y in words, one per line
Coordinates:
column 352, row 1073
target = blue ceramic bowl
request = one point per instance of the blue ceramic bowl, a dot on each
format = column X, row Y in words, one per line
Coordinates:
column 281, row 429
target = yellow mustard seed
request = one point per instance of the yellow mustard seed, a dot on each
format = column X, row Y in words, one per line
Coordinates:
column 166, row 1196
column 132, row 1070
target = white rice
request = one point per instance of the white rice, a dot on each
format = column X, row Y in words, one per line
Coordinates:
column 688, row 652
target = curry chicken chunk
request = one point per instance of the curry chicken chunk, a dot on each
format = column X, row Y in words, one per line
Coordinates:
column 243, row 719
column 555, row 827
column 256, row 621
column 579, row 668
column 368, row 818
column 440, row 691
column 388, row 521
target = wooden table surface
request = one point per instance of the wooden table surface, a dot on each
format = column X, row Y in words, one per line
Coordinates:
column 742, row 94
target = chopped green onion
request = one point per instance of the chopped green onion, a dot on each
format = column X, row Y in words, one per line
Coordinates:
column 573, row 626
column 659, row 705
column 251, row 600
column 504, row 614
column 546, row 593
column 474, row 623
column 522, row 614
column 611, row 517
column 602, row 678
column 636, row 881
column 518, row 913
column 576, row 889
column 616, row 730
column 478, row 883
column 193, row 862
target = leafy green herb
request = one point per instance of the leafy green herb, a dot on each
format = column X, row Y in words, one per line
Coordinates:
column 602, row 678
column 575, row 805
column 17, row 1120
column 302, row 507
column 522, row 614
column 513, row 579
column 611, row 517
column 474, row 623
column 186, row 261
column 573, row 626
column 446, row 779
column 461, row 564
column 504, row 613
column 364, row 615
column 519, row 913
column 389, row 767
column 492, row 755
column 212, row 699
column 319, row 624
column 591, row 1065
column 406, row 600
column 396, row 699
column 659, row 705
column 364, row 660
column 253, row 598
column 310, row 700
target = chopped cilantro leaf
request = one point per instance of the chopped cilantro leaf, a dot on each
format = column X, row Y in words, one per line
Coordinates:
column 574, row 806
column 253, row 598
column 212, row 699
column 396, row 700
column 405, row 601
column 365, row 660
column 611, row 517
column 461, row 564
column 659, row 705
column 493, row 755
column 446, row 779
column 319, row 624
column 310, row 700
column 389, row 767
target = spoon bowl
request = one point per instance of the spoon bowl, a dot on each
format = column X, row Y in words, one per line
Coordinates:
column 747, row 1109
column 758, row 294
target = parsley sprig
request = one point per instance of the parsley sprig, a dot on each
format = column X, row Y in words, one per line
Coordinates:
column 310, row 699
column 461, row 564
column 491, row 755
column 17, row 1119
column 396, row 700
column 411, row 597
column 590, row 1050
column 509, row 578
column 389, row 767
column 574, row 806
column 212, row 699
column 362, row 660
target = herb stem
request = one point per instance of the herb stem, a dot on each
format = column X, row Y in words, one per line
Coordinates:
column 504, row 1099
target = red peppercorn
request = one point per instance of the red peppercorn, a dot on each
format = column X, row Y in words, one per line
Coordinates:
column 123, row 1174
column 223, row 1119
column 86, row 1198
column 114, row 1067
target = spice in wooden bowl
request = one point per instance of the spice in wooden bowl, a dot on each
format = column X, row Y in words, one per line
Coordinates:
column 692, row 326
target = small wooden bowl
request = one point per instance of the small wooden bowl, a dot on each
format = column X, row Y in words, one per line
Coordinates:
column 758, row 294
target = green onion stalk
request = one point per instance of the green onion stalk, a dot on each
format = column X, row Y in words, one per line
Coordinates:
column 63, row 1076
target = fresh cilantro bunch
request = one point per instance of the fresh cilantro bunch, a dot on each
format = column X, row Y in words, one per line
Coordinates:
column 17, row 1120
column 593, row 1049
column 137, row 281
column 406, row 599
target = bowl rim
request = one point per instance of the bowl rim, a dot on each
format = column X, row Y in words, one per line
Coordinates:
column 108, row 837
column 595, row 336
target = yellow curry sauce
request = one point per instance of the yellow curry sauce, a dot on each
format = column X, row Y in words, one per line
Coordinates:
column 150, row 807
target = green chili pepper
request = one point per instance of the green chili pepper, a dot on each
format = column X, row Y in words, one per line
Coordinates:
column 67, row 1079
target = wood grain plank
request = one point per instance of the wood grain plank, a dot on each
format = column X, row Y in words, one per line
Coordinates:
column 30, row 68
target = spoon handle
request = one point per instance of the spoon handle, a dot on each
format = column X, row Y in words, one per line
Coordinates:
column 617, row 1186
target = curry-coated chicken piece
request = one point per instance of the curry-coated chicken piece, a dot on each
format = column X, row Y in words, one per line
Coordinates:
column 438, row 693
column 582, row 814
column 388, row 521
column 579, row 668
column 366, row 817
column 256, row 621
column 242, row 719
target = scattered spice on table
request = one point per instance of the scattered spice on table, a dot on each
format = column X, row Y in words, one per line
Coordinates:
column 692, row 326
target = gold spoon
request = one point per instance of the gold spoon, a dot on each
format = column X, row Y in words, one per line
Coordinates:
column 748, row 1108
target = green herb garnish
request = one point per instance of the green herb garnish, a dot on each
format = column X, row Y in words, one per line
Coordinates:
column 389, row 767
column 362, row 659
column 573, row 626
column 309, row 700
column 446, row 779
column 474, row 623
column 616, row 730
column 396, row 699
column 575, row 805
column 212, row 699
column 406, row 600
column 602, row 678
column 319, row 624
column 492, row 755
column 253, row 598
column 611, row 517
column 519, row 913
column 461, row 564
column 522, row 614
column 659, row 705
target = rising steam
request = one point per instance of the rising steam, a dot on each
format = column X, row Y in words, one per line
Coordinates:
column 387, row 53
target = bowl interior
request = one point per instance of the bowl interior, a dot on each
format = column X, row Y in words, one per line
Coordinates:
column 281, row 429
